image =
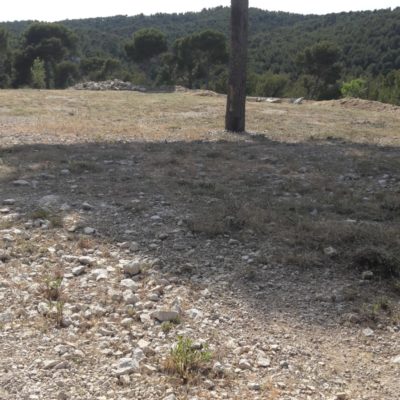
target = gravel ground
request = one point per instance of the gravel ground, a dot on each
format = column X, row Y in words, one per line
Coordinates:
column 270, row 259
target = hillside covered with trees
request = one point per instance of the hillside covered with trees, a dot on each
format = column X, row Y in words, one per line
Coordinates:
column 319, row 57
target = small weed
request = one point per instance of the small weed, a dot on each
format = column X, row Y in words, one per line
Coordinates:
column 379, row 261
column 167, row 326
column 396, row 286
column 52, row 287
column 80, row 166
column 59, row 306
column 185, row 360
column 85, row 243
column 40, row 213
column 383, row 304
column 54, row 219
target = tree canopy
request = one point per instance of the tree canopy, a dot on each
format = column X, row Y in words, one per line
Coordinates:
column 188, row 49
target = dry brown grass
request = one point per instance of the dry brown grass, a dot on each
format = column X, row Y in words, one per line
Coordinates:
column 306, row 180
column 70, row 116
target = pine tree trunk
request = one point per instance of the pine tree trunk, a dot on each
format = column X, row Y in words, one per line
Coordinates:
column 235, row 118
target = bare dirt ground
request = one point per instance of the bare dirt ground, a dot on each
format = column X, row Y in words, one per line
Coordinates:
column 275, row 252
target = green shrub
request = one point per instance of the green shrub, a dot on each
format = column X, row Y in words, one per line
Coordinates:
column 355, row 88
column 38, row 74
column 186, row 359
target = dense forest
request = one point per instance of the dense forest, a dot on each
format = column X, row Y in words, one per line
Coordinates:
column 321, row 57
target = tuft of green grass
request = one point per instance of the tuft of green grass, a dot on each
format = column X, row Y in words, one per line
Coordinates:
column 167, row 326
column 186, row 360
column 52, row 287
column 40, row 213
column 55, row 220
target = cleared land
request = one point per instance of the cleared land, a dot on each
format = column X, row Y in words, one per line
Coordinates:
column 278, row 248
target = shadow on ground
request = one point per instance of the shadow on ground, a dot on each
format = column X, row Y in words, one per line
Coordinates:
column 284, row 226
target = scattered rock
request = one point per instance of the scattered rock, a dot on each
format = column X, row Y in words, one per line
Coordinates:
column 114, row 84
column 87, row 207
column 368, row 332
column 254, row 386
column 367, row 275
column 330, row 251
column 263, row 362
column 129, row 297
column 79, row 270
column 396, row 360
column 86, row 260
column 9, row 202
column 21, row 182
column 165, row 316
column 132, row 268
column 50, row 202
column 126, row 366
column 89, row 231
column 43, row 308
column 49, row 364
column 244, row 364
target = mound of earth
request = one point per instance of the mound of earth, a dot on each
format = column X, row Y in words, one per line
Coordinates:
column 361, row 104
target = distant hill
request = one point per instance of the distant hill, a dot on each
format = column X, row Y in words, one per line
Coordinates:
column 369, row 40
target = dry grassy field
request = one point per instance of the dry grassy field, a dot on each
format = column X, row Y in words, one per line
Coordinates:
column 284, row 240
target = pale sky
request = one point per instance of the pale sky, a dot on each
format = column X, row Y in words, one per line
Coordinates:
column 52, row 10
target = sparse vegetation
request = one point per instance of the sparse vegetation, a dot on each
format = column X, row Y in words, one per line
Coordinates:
column 186, row 359
column 54, row 218
column 52, row 287
column 262, row 237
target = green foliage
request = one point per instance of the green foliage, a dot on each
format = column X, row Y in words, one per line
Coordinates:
column 320, row 66
column 4, row 37
column 271, row 85
column 40, row 33
column 198, row 53
column 38, row 74
column 52, row 43
column 184, row 359
column 369, row 44
column 99, row 68
column 354, row 88
column 146, row 44
column 390, row 88
column 66, row 74
column 5, row 59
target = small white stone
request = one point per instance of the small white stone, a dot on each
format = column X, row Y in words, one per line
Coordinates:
column 79, row 270
column 132, row 268
column 244, row 364
column 129, row 297
column 9, row 202
column 138, row 354
column 86, row 260
column 396, row 360
column 195, row 314
column 165, row 316
column 49, row 364
column 254, row 386
column 89, row 231
column 368, row 332
column 263, row 362
column 330, row 251
column 130, row 284
column 21, row 182
column 126, row 366
column 43, row 308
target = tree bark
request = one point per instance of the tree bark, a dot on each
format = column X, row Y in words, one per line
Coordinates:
column 235, row 119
